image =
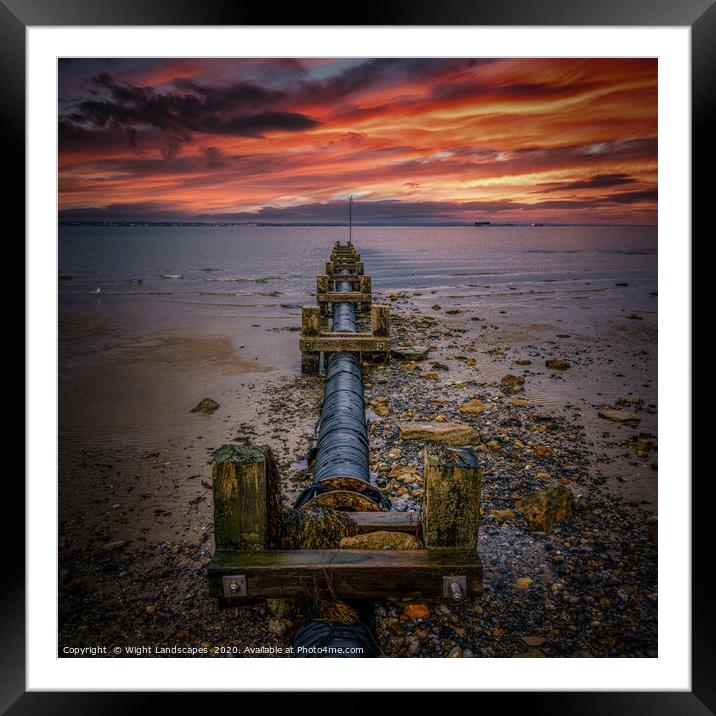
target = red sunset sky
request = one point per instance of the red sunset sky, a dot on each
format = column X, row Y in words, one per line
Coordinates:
column 414, row 140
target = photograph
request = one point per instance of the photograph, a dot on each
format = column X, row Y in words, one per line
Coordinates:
column 357, row 357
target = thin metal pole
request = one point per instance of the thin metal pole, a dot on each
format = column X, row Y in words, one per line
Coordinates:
column 350, row 218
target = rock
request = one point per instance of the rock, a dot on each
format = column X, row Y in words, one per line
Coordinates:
column 111, row 546
column 557, row 364
column 395, row 453
column 523, row 362
column 493, row 446
column 413, row 647
column 436, row 307
column 620, row 416
column 382, row 539
column 503, row 515
column 520, row 402
column 542, row 451
column 278, row 627
column 642, row 446
column 447, row 433
column 533, row 640
column 454, row 312
column 151, row 610
column 545, row 508
column 455, row 653
column 511, row 383
column 512, row 380
column 280, row 608
column 522, row 583
column 182, row 634
column 472, row 407
column 542, row 475
column 411, row 353
column 416, row 611
column 206, row 406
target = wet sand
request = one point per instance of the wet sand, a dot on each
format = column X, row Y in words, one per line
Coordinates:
column 135, row 493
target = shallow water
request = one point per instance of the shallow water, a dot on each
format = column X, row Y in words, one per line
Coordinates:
column 189, row 312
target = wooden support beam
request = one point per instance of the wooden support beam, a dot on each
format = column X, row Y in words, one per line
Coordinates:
column 380, row 319
column 365, row 284
column 246, row 489
column 392, row 521
column 345, row 574
column 355, row 342
column 349, row 296
column 451, row 504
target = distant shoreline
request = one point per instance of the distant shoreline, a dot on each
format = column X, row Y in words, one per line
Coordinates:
column 252, row 224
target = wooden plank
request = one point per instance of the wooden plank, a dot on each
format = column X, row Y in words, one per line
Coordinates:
column 390, row 521
column 352, row 342
column 380, row 319
column 346, row 574
column 344, row 296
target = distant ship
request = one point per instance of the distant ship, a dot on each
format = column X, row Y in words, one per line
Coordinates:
column 483, row 223
column 536, row 223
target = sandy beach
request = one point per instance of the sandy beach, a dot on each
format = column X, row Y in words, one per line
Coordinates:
column 135, row 530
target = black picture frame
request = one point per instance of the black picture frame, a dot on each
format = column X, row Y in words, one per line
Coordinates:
column 699, row 15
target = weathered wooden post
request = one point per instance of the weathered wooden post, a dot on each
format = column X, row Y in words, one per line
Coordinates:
column 365, row 284
column 246, row 498
column 329, row 268
column 310, row 326
column 451, row 502
column 380, row 320
column 322, row 287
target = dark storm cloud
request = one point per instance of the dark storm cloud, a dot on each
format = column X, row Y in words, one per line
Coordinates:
column 241, row 109
column 598, row 181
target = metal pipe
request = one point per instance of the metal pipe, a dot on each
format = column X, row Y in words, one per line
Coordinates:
column 341, row 472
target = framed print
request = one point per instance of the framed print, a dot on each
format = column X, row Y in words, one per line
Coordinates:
column 360, row 341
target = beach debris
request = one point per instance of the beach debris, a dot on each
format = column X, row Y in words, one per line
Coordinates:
column 448, row 433
column 96, row 292
column 315, row 527
column 545, row 508
column 206, row 406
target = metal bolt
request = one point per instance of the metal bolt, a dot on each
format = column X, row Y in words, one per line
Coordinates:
column 456, row 590
column 234, row 587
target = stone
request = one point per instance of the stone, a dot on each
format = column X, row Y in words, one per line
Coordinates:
column 493, row 446
column 511, row 383
column 416, row 611
column 447, row 433
column 557, row 364
column 503, row 515
column 542, row 451
column 545, row 508
column 520, row 402
column 206, row 406
column 278, row 627
column 620, row 416
column 472, row 407
column 533, row 640
column 111, row 546
column 523, row 362
column 512, row 380
column 522, row 583
column 395, row 453
column 382, row 539
column 151, row 610
column 455, row 653
column 410, row 353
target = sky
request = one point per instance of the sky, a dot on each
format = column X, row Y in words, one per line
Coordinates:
column 414, row 141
